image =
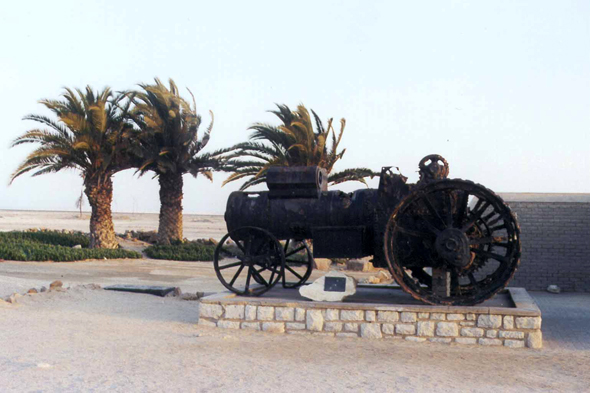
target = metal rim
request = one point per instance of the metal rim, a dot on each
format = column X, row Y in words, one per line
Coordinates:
column 493, row 235
column 297, row 254
column 257, row 255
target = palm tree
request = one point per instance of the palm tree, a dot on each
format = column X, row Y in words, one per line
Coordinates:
column 168, row 145
column 89, row 135
column 294, row 143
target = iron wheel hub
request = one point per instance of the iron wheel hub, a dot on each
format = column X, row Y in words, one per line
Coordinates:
column 452, row 245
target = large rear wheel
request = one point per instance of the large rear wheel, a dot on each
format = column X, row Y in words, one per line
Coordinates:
column 452, row 242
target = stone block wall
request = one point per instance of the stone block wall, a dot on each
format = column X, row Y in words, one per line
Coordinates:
column 465, row 326
column 555, row 245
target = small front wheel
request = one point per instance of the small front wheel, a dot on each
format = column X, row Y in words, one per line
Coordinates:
column 248, row 261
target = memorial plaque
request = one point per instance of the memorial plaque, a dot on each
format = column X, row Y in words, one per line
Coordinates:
column 335, row 284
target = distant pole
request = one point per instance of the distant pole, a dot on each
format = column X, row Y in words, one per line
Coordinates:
column 80, row 202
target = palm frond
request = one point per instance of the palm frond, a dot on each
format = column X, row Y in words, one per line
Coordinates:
column 252, row 182
column 86, row 135
column 292, row 143
column 352, row 174
column 169, row 124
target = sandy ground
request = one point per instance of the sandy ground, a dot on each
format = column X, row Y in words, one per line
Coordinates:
column 190, row 277
column 195, row 226
column 96, row 340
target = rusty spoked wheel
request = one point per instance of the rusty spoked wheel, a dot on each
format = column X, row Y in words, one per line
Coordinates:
column 452, row 242
column 248, row 261
column 298, row 263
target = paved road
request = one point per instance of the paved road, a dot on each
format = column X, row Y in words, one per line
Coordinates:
column 566, row 320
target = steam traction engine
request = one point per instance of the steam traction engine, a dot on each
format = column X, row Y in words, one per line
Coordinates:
column 445, row 241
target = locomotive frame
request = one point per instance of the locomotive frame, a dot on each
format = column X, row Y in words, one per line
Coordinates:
column 445, row 241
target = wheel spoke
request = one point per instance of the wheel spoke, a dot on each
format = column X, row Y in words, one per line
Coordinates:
column 474, row 217
column 488, row 240
column 274, row 271
column 491, row 255
column 241, row 247
column 472, row 279
column 259, row 276
column 478, row 204
column 411, row 232
column 286, row 245
column 248, row 279
column 488, row 216
column 449, row 210
column 431, row 227
column 294, row 272
column 494, row 221
column 496, row 228
column 230, row 265
column 300, row 248
column 462, row 208
column 233, row 280
column 432, row 210
column 422, row 276
column 503, row 245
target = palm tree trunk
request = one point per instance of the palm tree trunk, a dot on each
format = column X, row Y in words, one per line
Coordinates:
column 170, row 228
column 100, row 196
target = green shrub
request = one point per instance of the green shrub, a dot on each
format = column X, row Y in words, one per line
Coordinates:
column 53, row 246
column 47, row 237
column 193, row 251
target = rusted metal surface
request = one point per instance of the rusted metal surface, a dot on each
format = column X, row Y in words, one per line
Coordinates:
column 452, row 242
column 433, row 167
column 296, row 182
column 445, row 241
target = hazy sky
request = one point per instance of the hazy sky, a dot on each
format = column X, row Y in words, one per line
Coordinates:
column 501, row 89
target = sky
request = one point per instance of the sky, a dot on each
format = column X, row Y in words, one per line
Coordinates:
column 501, row 89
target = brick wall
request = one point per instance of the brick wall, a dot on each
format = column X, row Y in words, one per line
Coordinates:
column 555, row 244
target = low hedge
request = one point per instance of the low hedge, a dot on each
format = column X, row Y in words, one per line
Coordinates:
column 53, row 246
column 192, row 251
column 46, row 237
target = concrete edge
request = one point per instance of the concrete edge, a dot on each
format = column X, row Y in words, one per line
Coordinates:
column 523, row 301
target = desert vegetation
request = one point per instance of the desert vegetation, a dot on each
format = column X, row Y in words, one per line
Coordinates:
column 54, row 246
column 198, row 250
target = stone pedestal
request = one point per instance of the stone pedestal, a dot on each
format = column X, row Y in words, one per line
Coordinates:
column 511, row 327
